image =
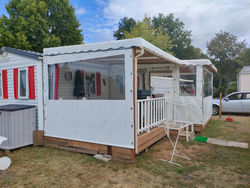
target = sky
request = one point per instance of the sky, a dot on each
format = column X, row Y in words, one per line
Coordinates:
column 99, row 18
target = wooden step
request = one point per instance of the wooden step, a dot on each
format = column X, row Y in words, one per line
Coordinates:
column 191, row 134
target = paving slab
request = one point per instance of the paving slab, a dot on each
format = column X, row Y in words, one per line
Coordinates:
column 105, row 158
column 217, row 142
column 227, row 143
column 238, row 144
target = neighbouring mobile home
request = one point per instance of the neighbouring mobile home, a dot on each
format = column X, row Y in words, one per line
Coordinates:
column 21, row 83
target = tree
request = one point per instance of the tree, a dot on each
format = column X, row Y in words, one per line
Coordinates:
column 146, row 31
column 244, row 58
column 125, row 24
column 36, row 24
column 181, row 38
column 63, row 22
column 225, row 49
column 170, row 27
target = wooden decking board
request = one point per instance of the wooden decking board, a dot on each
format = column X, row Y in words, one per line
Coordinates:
column 146, row 136
column 147, row 139
column 151, row 142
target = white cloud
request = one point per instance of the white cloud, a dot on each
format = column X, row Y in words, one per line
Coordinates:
column 204, row 17
column 99, row 34
column 80, row 11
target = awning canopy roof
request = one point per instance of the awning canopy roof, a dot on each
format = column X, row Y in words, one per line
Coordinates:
column 203, row 62
column 151, row 53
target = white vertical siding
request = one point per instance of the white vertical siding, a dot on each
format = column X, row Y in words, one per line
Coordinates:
column 244, row 80
column 12, row 61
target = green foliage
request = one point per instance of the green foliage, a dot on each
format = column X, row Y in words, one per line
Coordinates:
column 125, row 24
column 225, row 50
column 244, row 58
column 37, row 24
column 232, row 87
column 181, row 38
column 219, row 90
column 175, row 29
column 169, row 27
column 143, row 29
column 63, row 22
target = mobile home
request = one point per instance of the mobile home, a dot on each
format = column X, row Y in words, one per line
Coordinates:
column 98, row 96
column 21, row 83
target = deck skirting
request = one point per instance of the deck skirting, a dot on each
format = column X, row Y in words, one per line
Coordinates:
column 118, row 153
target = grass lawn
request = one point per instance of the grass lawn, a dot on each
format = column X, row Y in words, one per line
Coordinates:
column 211, row 165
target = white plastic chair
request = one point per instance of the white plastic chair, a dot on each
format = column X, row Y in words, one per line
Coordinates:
column 4, row 161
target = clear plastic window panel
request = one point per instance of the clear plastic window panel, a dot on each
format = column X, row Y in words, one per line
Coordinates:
column 93, row 79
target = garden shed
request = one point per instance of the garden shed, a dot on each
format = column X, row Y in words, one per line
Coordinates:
column 243, row 79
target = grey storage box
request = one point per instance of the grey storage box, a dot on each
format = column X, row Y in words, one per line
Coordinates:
column 17, row 123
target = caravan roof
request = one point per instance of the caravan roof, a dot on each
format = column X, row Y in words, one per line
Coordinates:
column 34, row 55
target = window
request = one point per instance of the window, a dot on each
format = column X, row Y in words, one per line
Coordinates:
column 161, row 82
column 236, row 96
column 1, row 85
column 90, row 83
column 247, row 96
column 207, row 89
column 187, row 81
column 23, row 83
column 119, row 84
column 93, row 79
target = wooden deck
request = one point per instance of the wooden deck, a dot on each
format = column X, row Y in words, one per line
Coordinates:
column 147, row 139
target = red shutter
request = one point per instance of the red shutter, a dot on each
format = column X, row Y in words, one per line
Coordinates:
column 82, row 75
column 56, row 81
column 5, row 84
column 15, row 76
column 98, row 83
column 31, row 71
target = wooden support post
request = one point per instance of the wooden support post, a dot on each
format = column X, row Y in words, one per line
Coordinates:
column 135, row 98
column 38, row 138
column 220, row 105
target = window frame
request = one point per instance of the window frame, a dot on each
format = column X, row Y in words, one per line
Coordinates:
column 27, row 83
column 85, row 84
column 1, row 82
column 228, row 97
column 203, row 88
column 195, row 83
column 245, row 98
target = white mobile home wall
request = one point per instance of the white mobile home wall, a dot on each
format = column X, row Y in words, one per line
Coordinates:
column 9, row 61
column 108, row 122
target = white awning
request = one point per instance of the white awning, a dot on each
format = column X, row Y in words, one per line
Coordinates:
column 112, row 45
column 203, row 62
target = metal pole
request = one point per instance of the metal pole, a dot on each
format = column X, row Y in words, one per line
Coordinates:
column 220, row 105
